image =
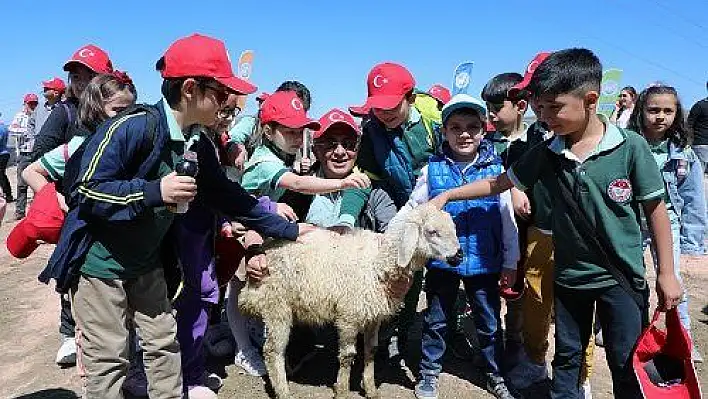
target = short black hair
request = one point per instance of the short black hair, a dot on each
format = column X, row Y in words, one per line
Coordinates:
column 574, row 70
column 495, row 91
column 300, row 90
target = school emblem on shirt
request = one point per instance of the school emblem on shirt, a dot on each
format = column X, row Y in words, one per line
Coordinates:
column 620, row 190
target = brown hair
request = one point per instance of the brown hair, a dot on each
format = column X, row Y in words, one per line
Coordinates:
column 99, row 90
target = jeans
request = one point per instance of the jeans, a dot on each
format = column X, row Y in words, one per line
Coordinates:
column 676, row 236
column 702, row 152
column 621, row 321
column 441, row 291
column 23, row 161
column 4, row 182
column 67, row 324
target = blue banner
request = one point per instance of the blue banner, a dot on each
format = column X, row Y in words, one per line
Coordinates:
column 462, row 78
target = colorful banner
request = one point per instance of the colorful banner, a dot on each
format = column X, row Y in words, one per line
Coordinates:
column 462, row 78
column 609, row 91
column 245, row 67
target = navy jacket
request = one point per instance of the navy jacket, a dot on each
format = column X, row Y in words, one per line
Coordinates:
column 117, row 191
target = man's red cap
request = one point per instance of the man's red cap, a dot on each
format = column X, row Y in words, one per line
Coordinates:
column 336, row 117
column 43, row 222
column 31, row 98
column 203, row 56
column 440, row 93
column 516, row 90
column 286, row 108
column 359, row 112
column 54, row 84
column 387, row 84
column 92, row 57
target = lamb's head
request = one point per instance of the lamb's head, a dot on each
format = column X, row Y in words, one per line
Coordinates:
column 429, row 233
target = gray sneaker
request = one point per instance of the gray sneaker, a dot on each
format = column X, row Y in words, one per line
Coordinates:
column 427, row 387
column 497, row 387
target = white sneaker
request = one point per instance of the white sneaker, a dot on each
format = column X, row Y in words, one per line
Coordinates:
column 251, row 362
column 200, row 392
column 587, row 390
column 527, row 373
column 66, row 355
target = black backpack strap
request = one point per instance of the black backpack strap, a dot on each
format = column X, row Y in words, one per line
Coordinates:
column 597, row 241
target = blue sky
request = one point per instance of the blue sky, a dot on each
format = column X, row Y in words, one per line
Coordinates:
column 331, row 46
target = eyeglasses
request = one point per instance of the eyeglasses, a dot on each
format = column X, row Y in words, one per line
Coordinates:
column 220, row 94
column 331, row 145
column 228, row 113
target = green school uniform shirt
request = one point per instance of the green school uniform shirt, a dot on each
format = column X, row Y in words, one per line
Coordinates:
column 609, row 186
column 262, row 173
column 125, row 251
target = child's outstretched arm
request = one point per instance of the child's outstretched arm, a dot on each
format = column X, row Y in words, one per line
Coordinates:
column 316, row 185
column 668, row 288
column 477, row 189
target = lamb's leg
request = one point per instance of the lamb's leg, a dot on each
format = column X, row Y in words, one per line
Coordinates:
column 371, row 338
column 347, row 352
column 274, row 353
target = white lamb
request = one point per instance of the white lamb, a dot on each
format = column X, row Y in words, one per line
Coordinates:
column 344, row 280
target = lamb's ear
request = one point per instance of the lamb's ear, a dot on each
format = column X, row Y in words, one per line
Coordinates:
column 409, row 242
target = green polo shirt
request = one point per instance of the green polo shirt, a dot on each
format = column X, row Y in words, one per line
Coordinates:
column 131, row 249
column 262, row 173
column 609, row 186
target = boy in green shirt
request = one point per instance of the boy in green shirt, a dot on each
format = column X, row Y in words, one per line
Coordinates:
column 612, row 174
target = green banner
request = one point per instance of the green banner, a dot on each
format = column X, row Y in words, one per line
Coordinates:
column 609, row 91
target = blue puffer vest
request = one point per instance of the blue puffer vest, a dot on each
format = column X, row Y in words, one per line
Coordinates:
column 478, row 222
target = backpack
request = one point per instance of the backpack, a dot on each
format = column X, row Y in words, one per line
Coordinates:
column 66, row 186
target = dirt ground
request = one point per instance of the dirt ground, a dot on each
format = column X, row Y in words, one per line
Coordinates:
column 29, row 313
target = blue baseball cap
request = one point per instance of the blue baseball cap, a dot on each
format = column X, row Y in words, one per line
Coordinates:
column 460, row 101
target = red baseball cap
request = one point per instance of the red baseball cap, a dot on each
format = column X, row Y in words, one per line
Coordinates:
column 54, row 84
column 92, row 57
column 336, row 117
column 262, row 97
column 359, row 111
column 440, row 93
column 286, row 108
column 387, row 84
column 202, row 56
column 43, row 222
column 516, row 90
column 31, row 98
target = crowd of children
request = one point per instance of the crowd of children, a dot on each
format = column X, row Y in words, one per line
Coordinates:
column 146, row 198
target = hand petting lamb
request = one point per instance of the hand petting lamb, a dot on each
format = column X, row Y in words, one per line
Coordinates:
column 344, row 280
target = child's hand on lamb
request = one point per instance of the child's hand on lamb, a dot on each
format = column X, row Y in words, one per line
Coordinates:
column 305, row 228
column 340, row 229
column 507, row 278
column 257, row 268
column 287, row 212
